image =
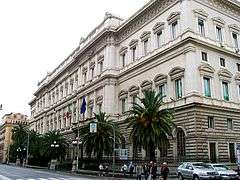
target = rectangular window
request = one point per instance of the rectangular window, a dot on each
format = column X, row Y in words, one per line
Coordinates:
column 178, row 88
column 211, row 123
column 174, row 29
column 238, row 67
column 222, row 62
column 159, row 39
column 134, row 99
column 201, row 27
column 134, row 53
column 207, row 87
column 145, row 46
column 123, row 56
column 162, row 91
column 92, row 72
column 239, row 90
column 229, row 124
column 124, row 108
column 204, row 56
column 235, row 40
column 225, row 91
column 85, row 77
column 101, row 67
column 219, row 33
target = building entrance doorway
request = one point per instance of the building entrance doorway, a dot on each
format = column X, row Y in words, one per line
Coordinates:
column 213, row 153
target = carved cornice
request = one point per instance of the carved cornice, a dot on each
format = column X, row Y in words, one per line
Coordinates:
column 123, row 94
column 145, row 35
column 158, row 27
column 218, row 20
column 123, row 50
column 200, row 13
column 133, row 90
column 224, row 74
column 234, row 27
column 99, row 99
column 133, row 43
column 160, row 79
column 145, row 85
column 143, row 17
column 173, row 17
column 100, row 58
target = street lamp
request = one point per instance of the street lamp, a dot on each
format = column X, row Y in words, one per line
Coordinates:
column 54, row 162
column 93, row 129
column 18, row 158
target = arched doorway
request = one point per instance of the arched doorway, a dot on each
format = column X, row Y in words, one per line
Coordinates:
column 181, row 143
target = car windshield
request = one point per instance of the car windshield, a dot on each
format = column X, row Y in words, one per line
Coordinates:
column 220, row 167
column 202, row 166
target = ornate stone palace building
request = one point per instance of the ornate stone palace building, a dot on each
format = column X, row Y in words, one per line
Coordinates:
column 187, row 50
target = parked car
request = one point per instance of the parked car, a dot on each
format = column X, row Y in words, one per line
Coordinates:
column 225, row 172
column 196, row 171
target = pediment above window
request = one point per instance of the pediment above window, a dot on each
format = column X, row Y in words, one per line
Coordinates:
column 99, row 99
column 100, row 58
column 218, row 20
column 176, row 73
column 225, row 74
column 200, row 13
column 146, row 85
column 206, row 69
column 133, row 43
column 160, row 79
column 92, row 65
column 173, row 17
column 123, row 94
column 234, row 27
column 84, row 69
column 158, row 27
column 90, row 102
column 133, row 90
column 145, row 35
column 123, row 50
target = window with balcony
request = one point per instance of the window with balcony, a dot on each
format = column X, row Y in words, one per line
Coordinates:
column 207, row 87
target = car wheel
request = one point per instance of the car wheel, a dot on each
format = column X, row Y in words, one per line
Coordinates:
column 180, row 177
column 196, row 178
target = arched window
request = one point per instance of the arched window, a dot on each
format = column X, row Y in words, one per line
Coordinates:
column 181, row 143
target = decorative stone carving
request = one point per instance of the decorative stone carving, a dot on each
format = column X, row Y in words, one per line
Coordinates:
column 234, row 27
column 84, row 69
column 99, row 99
column 224, row 74
column 173, row 17
column 176, row 73
column 206, row 70
column 160, row 79
column 218, row 21
column 145, row 35
column 200, row 13
column 133, row 43
column 90, row 102
column 146, row 85
column 92, row 65
column 133, row 90
column 123, row 94
column 100, row 58
column 123, row 50
column 158, row 27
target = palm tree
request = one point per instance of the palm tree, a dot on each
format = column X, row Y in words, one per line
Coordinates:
column 101, row 141
column 150, row 126
column 19, row 134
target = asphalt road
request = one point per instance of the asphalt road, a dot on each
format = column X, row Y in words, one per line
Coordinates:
column 18, row 173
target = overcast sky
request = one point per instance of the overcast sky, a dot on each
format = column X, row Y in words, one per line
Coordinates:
column 36, row 35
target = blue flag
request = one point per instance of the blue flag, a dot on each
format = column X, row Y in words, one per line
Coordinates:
column 83, row 106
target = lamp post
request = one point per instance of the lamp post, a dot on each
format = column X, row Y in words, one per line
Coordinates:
column 93, row 129
column 53, row 163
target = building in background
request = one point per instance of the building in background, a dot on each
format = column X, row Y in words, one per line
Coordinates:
column 187, row 50
column 9, row 122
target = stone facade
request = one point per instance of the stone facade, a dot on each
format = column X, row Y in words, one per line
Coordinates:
column 9, row 121
column 187, row 50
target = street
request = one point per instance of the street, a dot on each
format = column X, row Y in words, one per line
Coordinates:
column 18, row 173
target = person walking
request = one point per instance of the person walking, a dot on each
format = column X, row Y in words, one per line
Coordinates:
column 164, row 171
column 145, row 171
column 154, row 171
column 100, row 170
column 131, row 168
column 139, row 170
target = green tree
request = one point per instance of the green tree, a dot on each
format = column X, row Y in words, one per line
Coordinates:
column 101, row 141
column 58, row 151
column 150, row 126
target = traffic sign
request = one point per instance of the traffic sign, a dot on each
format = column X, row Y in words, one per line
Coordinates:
column 93, row 127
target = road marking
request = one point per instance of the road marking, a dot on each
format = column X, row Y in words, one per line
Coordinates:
column 53, row 178
column 4, row 177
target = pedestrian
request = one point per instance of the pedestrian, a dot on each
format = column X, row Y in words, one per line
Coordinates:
column 131, row 168
column 139, row 170
column 106, row 170
column 145, row 171
column 150, row 169
column 100, row 169
column 124, row 169
column 164, row 171
column 154, row 171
